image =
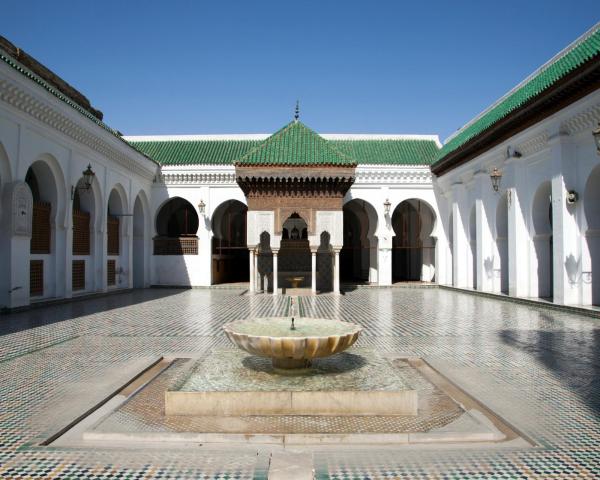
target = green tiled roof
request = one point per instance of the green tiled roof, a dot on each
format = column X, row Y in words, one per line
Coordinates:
column 195, row 152
column 581, row 51
column 397, row 151
column 389, row 152
column 294, row 145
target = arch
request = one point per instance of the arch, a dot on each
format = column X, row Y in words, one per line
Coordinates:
column 230, row 254
column 591, row 206
column 358, row 257
column 5, row 179
column 140, row 221
column 175, row 218
column 45, row 180
column 52, row 183
column 86, row 216
column 294, row 252
column 117, row 249
column 413, row 245
column 473, row 246
column 502, row 240
column 5, row 171
column 541, row 219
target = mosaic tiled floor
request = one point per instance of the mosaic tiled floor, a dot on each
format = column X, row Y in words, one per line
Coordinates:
column 540, row 368
column 144, row 412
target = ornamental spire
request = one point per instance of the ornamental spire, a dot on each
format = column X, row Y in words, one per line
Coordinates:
column 297, row 112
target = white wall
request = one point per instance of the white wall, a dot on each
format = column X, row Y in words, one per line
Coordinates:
column 558, row 152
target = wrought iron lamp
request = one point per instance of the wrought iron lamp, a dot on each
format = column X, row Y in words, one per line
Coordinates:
column 201, row 207
column 495, row 177
column 596, row 134
column 88, row 179
column 386, row 206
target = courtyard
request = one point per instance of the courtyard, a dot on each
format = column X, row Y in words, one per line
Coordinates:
column 536, row 368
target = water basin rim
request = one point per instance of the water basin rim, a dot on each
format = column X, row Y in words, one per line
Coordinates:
column 355, row 328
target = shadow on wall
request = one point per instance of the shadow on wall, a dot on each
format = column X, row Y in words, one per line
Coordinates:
column 265, row 263
column 572, row 357
column 325, row 264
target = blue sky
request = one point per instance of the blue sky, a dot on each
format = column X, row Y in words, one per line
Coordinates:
column 183, row 67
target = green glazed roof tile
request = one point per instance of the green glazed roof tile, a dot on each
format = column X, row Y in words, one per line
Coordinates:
column 581, row 51
column 295, row 145
column 389, row 152
column 225, row 152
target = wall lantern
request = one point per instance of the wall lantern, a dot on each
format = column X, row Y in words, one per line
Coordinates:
column 572, row 197
column 596, row 134
column 495, row 177
column 88, row 179
column 386, row 206
column 201, row 207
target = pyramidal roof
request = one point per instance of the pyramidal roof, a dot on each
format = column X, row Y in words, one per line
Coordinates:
column 295, row 145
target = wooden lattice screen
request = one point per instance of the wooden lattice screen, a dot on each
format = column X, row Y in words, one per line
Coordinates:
column 36, row 278
column 111, row 272
column 40, row 228
column 176, row 246
column 112, row 228
column 78, row 275
column 81, row 233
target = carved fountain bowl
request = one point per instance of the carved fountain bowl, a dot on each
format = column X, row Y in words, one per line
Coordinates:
column 272, row 337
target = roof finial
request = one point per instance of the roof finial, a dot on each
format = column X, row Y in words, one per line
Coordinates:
column 297, row 112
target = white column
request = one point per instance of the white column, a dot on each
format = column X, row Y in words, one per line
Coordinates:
column 275, row 273
column 566, row 239
column 256, row 272
column 460, row 244
column 336, row 270
column 518, row 247
column 313, row 271
column 252, row 273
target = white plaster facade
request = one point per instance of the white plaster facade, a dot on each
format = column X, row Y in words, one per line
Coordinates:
column 41, row 131
column 525, row 240
column 512, row 240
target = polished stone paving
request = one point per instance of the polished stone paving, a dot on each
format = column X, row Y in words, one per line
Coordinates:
column 538, row 368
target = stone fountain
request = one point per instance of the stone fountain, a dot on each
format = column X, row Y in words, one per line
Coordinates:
column 292, row 342
column 228, row 382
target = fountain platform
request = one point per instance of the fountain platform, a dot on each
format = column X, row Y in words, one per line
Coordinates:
column 230, row 382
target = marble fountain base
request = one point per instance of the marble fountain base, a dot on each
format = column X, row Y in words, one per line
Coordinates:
column 230, row 382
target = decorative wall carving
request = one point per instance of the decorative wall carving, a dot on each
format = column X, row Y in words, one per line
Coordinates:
column 418, row 175
column 258, row 222
column 534, row 144
column 17, row 97
column 18, row 196
column 585, row 120
column 333, row 223
column 172, row 178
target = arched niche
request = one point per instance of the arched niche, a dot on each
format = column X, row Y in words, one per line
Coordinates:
column 46, row 183
column 294, row 253
column 413, row 245
column 541, row 216
column 177, row 218
column 140, row 244
column 230, row 255
column 176, row 226
column 358, row 257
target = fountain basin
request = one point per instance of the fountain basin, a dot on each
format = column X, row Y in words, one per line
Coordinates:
column 288, row 349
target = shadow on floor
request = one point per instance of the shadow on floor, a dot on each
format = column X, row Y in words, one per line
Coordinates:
column 47, row 315
column 573, row 357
